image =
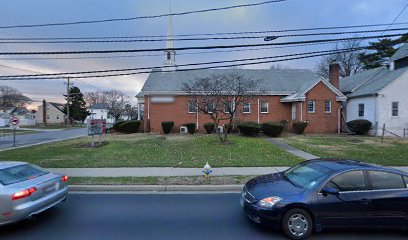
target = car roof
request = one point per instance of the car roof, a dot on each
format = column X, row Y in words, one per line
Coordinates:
column 340, row 165
column 7, row 164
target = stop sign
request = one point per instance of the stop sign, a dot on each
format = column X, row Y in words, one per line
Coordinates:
column 14, row 121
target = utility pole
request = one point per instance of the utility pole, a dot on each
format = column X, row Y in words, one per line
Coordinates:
column 68, row 118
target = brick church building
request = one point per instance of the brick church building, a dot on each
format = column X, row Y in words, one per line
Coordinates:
column 287, row 94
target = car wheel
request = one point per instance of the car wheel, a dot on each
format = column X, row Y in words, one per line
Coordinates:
column 297, row 224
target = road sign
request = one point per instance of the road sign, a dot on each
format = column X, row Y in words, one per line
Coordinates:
column 14, row 121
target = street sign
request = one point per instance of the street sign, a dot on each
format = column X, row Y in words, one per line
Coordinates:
column 14, row 121
column 96, row 127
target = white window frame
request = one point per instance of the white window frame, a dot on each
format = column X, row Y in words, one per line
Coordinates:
column 267, row 106
column 213, row 107
column 330, row 106
column 249, row 107
column 188, row 107
column 231, row 106
column 358, row 110
column 314, row 106
column 392, row 109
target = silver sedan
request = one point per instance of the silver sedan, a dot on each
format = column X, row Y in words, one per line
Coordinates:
column 26, row 190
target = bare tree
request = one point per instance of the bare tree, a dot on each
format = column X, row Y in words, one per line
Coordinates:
column 349, row 61
column 114, row 99
column 219, row 96
column 11, row 97
column 131, row 111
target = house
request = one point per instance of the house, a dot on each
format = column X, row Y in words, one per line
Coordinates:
column 4, row 119
column 26, row 117
column 380, row 95
column 100, row 111
column 288, row 94
column 53, row 113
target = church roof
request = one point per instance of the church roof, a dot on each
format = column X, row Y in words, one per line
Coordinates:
column 274, row 82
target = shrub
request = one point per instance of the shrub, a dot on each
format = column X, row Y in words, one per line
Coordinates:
column 273, row 129
column 228, row 128
column 249, row 128
column 131, row 126
column 167, row 127
column 116, row 125
column 360, row 126
column 209, row 127
column 191, row 127
column 300, row 126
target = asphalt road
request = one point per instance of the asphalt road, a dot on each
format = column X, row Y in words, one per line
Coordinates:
column 41, row 137
column 156, row 216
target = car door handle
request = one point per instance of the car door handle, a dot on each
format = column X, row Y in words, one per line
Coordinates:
column 365, row 201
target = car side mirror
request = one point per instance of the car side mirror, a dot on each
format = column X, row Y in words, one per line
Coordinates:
column 330, row 191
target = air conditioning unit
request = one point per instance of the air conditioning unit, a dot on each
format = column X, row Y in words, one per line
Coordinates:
column 183, row 129
column 221, row 129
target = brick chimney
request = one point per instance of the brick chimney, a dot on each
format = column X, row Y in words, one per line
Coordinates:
column 334, row 74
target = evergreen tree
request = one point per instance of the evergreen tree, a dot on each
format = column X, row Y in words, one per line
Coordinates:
column 77, row 105
column 381, row 51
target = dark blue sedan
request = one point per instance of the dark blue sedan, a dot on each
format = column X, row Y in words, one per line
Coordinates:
column 326, row 193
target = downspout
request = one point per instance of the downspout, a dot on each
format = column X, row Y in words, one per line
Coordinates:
column 301, row 111
column 197, row 124
column 259, row 120
column 148, row 107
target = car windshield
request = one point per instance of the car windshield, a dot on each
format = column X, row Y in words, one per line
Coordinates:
column 20, row 173
column 307, row 175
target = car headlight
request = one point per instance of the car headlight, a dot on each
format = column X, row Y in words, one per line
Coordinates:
column 269, row 202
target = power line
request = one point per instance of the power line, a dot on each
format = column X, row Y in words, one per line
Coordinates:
column 183, row 70
column 199, row 39
column 396, row 18
column 195, row 48
column 160, row 55
column 141, row 17
column 303, row 55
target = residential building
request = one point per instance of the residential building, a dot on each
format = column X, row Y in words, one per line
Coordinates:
column 52, row 114
column 380, row 95
column 26, row 117
column 100, row 111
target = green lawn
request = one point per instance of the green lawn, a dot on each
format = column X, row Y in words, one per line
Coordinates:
column 146, row 150
column 392, row 152
column 199, row 180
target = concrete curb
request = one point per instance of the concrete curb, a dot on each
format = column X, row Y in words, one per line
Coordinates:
column 155, row 188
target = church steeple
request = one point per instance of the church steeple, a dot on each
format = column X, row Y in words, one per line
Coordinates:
column 170, row 62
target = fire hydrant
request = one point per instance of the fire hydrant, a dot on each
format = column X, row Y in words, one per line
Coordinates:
column 207, row 170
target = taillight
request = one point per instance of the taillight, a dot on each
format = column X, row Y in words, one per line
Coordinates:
column 23, row 194
column 64, row 178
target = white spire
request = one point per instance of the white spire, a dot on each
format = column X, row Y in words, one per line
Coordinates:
column 170, row 42
column 170, row 62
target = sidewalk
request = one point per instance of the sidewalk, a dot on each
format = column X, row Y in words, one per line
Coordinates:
column 290, row 149
column 169, row 172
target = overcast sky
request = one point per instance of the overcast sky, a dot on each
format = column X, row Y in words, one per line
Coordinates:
column 285, row 15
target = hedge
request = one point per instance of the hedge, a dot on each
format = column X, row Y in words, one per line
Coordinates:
column 131, row 126
column 228, row 128
column 191, row 127
column 249, row 128
column 167, row 127
column 360, row 126
column 273, row 129
column 209, row 127
column 116, row 125
column 300, row 126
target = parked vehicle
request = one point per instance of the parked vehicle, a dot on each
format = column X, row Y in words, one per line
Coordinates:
column 27, row 190
column 328, row 193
